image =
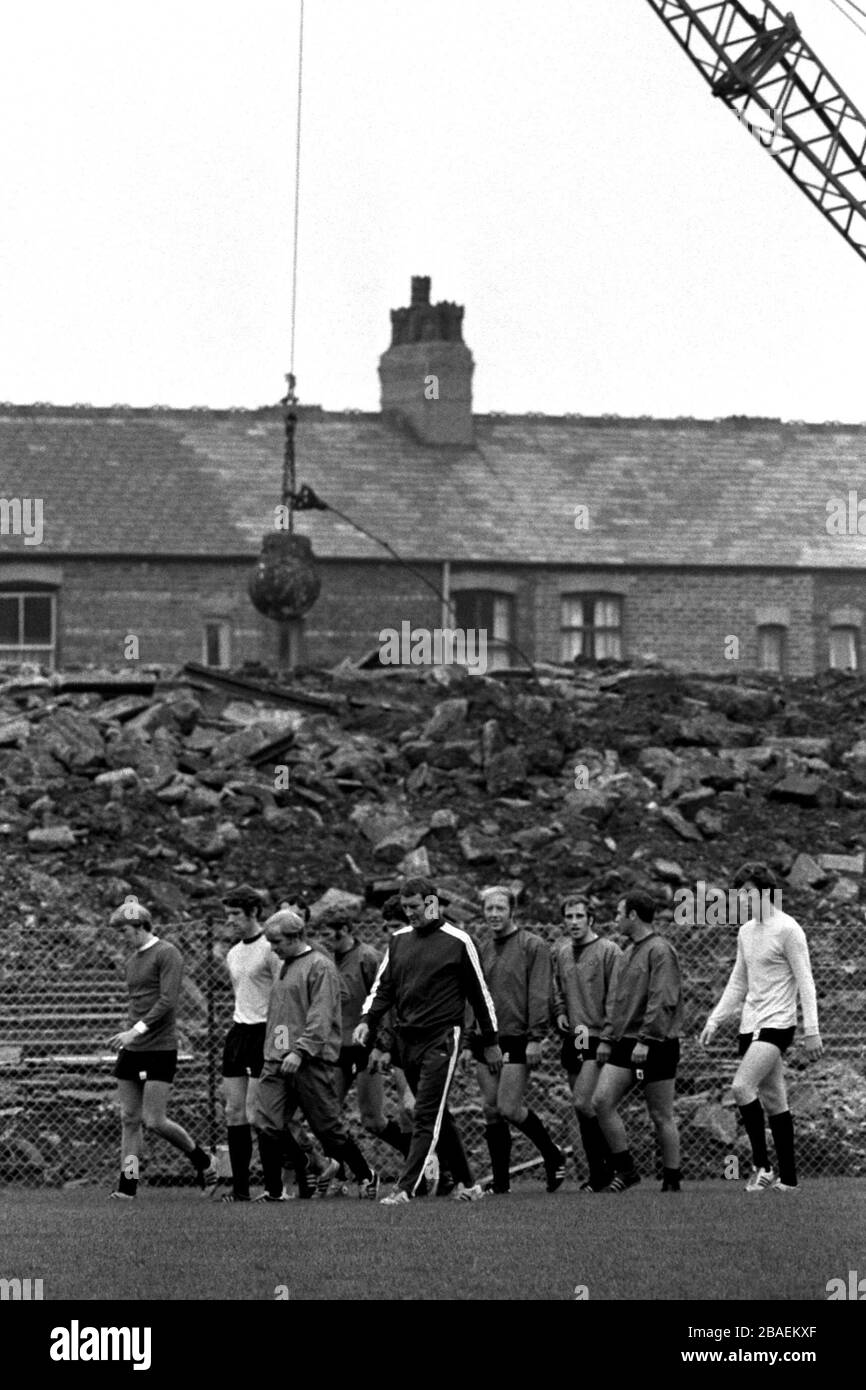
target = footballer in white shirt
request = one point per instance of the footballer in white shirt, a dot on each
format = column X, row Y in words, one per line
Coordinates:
column 771, row 971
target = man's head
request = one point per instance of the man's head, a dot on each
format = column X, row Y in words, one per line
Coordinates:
column 338, row 934
column 286, row 933
column 635, row 913
column 578, row 916
column 753, row 880
column 244, row 907
column 498, row 906
column 296, row 903
column 419, row 900
column 134, row 921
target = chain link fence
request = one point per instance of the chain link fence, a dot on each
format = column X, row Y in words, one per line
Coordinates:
column 62, row 995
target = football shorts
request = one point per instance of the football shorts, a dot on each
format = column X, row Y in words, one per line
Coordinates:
column 780, row 1037
column 243, row 1051
column 572, row 1057
column 513, row 1050
column 661, row 1061
column 145, row 1066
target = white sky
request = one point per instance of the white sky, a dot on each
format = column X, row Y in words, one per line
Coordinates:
column 558, row 167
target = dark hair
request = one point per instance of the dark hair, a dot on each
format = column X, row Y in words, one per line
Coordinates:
column 757, row 872
column 392, row 909
column 577, row 897
column 341, row 921
column 297, row 902
column 640, row 902
column 410, row 886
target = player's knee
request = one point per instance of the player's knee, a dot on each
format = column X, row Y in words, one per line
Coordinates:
column 491, row 1114
column 236, row 1114
column 513, row 1111
column 586, row 1109
column 130, row 1117
column 743, row 1093
column 153, row 1120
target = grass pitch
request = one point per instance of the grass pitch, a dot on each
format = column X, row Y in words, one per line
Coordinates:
column 711, row 1241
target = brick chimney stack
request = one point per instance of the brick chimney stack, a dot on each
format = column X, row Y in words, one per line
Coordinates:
column 426, row 374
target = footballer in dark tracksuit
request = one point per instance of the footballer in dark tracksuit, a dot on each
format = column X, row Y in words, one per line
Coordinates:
column 430, row 972
column 583, row 966
column 516, row 965
column 302, row 1045
column 640, row 1041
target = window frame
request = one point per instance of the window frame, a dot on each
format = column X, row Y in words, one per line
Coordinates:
column 224, row 642
column 588, row 599
column 38, row 653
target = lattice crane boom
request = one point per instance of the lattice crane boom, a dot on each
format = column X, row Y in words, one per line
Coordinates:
column 759, row 63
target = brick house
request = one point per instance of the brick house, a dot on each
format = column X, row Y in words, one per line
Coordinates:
column 560, row 536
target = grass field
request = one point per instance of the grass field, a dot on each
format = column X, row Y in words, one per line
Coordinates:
column 712, row 1241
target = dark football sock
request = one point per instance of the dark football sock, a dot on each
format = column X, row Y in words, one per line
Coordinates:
column 199, row 1159
column 271, row 1159
column 536, row 1131
column 622, row 1163
column 752, row 1116
column 349, row 1153
column 671, row 1179
column 240, row 1154
column 392, row 1134
column 129, row 1186
column 596, row 1150
column 782, row 1128
column 498, row 1137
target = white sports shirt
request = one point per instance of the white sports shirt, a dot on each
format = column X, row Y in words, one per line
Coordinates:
column 253, row 967
column 771, row 968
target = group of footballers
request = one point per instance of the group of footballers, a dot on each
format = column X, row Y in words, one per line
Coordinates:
column 314, row 1018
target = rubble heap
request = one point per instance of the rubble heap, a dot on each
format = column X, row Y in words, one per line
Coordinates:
column 176, row 787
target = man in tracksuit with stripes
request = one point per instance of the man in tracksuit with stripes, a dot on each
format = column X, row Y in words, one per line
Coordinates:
column 430, row 972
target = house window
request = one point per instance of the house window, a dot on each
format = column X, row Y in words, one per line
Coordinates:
column 843, row 649
column 591, row 627
column 28, row 626
column 217, row 644
column 771, row 647
column 489, row 612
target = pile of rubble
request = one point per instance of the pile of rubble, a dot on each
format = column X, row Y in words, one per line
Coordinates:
column 340, row 782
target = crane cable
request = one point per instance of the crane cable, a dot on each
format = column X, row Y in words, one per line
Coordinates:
column 297, row 186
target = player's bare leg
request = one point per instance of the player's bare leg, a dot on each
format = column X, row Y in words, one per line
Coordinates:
column 659, row 1097
column 496, row 1130
column 370, row 1087
column 766, row 1074
column 239, row 1096
column 595, row 1146
column 760, row 1061
column 614, row 1083
column 129, row 1096
column 155, row 1119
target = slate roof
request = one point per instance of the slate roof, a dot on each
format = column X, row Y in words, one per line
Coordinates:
column 200, row 482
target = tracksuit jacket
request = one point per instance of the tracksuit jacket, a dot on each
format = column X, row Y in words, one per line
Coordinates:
column 517, row 971
column 153, row 977
column 645, row 1000
column 305, row 1001
column 581, row 981
column 426, row 978
column 358, row 968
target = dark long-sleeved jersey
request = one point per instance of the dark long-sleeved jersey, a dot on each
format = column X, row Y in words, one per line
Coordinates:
column 304, row 1009
column 358, row 968
column 517, row 971
column 581, row 981
column 426, row 979
column 645, row 999
column 153, row 977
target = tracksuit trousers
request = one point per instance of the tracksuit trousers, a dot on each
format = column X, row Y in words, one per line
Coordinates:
column 428, row 1062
